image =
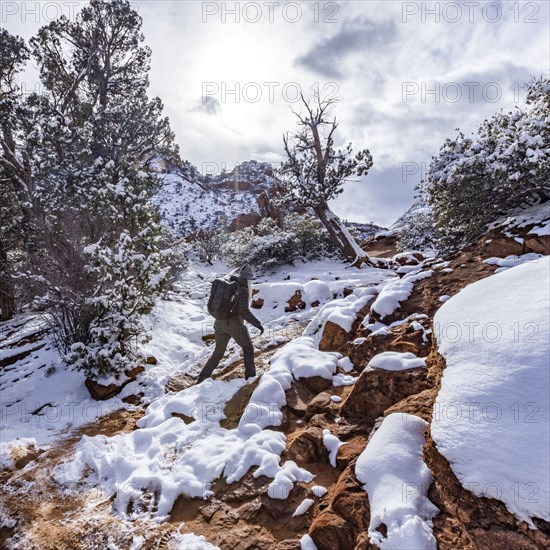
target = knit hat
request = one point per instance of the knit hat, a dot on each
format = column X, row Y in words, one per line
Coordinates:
column 246, row 273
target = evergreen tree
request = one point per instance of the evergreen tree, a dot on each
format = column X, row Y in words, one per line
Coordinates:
column 505, row 165
column 13, row 56
column 87, row 145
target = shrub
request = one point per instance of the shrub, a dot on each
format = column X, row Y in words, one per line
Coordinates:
column 505, row 165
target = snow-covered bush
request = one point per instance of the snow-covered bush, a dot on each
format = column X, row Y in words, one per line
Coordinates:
column 205, row 246
column 417, row 233
column 138, row 272
column 505, row 165
column 267, row 245
column 312, row 239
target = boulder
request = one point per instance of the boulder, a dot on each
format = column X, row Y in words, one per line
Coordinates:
column 298, row 397
column 334, row 337
column 101, row 392
column 315, row 384
column 401, row 338
column 308, row 447
column 329, row 531
column 322, row 404
column 485, row 522
column 351, row 450
column 419, row 404
column 538, row 243
column 376, row 390
column 295, row 302
column 381, row 247
column 236, row 406
column 349, row 500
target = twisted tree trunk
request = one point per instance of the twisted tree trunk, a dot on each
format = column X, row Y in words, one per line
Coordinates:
column 341, row 236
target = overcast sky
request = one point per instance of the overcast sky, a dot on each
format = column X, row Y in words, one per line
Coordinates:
column 407, row 73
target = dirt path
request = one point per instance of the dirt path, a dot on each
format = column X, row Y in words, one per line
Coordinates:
column 38, row 513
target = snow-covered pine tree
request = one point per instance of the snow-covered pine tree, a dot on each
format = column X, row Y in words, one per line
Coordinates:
column 13, row 55
column 505, row 165
column 314, row 171
column 100, row 253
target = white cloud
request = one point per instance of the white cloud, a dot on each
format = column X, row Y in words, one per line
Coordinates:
column 368, row 50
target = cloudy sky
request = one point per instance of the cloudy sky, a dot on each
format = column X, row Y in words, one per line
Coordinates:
column 407, row 75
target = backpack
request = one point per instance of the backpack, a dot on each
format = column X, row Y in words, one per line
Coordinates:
column 223, row 298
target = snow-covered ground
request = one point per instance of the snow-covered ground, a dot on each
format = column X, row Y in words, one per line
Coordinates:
column 167, row 457
column 173, row 458
column 492, row 415
column 41, row 397
column 43, row 400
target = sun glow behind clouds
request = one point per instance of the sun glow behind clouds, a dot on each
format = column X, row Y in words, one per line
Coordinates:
column 369, row 51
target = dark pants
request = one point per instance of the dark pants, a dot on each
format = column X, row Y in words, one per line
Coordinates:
column 225, row 330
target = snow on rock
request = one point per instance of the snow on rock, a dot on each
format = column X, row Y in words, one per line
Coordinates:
column 396, row 361
column 306, row 543
column 303, row 507
column 395, row 292
column 189, row 541
column 537, row 216
column 397, row 482
column 341, row 312
column 511, row 261
column 345, row 364
column 200, row 402
column 541, row 231
column 319, row 490
column 343, row 380
column 284, row 479
column 491, row 416
column 171, row 458
column 332, row 444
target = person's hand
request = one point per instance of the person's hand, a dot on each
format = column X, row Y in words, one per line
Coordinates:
column 261, row 330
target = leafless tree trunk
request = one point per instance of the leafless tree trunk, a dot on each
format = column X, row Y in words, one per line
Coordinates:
column 341, row 236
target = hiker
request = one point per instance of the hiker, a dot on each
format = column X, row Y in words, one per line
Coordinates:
column 233, row 327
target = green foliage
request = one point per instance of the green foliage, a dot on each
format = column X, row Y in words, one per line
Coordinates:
column 475, row 180
column 77, row 161
column 417, row 232
column 267, row 245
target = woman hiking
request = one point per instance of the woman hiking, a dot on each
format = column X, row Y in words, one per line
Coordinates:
column 233, row 327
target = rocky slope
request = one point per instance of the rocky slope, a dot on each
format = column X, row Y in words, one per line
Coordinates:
column 241, row 515
column 190, row 202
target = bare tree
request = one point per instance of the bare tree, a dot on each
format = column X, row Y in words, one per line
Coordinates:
column 314, row 171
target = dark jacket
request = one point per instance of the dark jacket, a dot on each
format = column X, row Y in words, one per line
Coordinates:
column 243, row 310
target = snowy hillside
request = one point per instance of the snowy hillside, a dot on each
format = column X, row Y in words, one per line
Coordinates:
column 417, row 208
column 191, row 202
column 188, row 207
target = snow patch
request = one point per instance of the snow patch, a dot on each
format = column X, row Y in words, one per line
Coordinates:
column 491, row 414
column 396, row 361
column 397, row 482
column 303, row 507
